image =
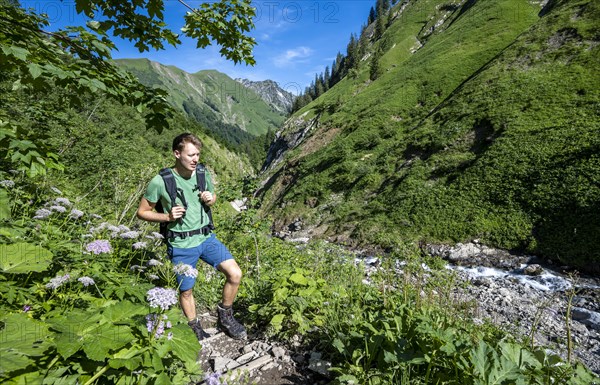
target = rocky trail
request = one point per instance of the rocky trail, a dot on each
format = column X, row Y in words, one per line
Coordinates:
column 255, row 360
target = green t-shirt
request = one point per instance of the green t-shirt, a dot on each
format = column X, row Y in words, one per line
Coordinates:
column 195, row 216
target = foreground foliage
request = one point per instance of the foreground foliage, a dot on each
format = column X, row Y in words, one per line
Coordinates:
column 78, row 306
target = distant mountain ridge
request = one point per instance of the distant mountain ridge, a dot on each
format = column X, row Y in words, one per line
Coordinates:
column 271, row 93
column 234, row 112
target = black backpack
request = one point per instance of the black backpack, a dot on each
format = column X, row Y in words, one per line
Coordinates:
column 174, row 192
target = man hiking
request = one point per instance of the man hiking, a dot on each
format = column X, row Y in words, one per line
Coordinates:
column 187, row 222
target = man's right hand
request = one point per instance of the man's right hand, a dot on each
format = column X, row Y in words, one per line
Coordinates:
column 176, row 213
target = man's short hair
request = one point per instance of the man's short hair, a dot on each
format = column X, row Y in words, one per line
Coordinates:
column 181, row 140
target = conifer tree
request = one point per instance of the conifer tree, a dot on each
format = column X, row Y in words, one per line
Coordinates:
column 372, row 16
column 374, row 66
column 352, row 52
column 380, row 22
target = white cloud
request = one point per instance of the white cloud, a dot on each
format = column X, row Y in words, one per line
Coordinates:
column 293, row 56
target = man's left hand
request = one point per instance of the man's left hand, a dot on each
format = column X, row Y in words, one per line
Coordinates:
column 206, row 197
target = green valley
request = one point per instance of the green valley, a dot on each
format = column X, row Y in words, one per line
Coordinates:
column 233, row 112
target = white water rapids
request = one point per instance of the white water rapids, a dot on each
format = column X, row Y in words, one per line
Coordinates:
column 547, row 281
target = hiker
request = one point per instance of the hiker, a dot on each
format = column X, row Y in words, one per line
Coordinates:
column 187, row 228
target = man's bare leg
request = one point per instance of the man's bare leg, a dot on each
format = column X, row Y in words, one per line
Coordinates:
column 186, row 300
column 233, row 277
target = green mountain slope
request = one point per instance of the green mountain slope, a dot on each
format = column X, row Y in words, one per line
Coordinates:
column 225, row 106
column 483, row 123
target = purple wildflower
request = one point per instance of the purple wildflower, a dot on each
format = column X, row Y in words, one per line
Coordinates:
column 154, row 262
column 57, row 281
column 7, row 183
column 62, row 202
column 96, row 216
column 157, row 235
column 105, row 226
column 76, row 214
column 137, row 268
column 124, row 228
column 130, row 234
column 213, row 379
column 139, row 245
column 157, row 324
column 26, row 308
column 86, row 281
column 186, row 270
column 152, row 277
column 162, row 297
column 170, row 336
column 57, row 208
column 98, row 246
column 42, row 214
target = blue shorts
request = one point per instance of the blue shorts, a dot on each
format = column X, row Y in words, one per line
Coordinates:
column 211, row 251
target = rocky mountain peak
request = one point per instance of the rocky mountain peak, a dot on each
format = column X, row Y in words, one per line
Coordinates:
column 271, row 93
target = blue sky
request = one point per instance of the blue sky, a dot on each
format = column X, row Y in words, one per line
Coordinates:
column 295, row 39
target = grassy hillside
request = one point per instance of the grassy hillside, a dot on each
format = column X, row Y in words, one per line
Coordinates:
column 482, row 124
column 211, row 98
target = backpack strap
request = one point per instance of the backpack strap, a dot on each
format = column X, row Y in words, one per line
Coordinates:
column 170, row 185
column 201, row 186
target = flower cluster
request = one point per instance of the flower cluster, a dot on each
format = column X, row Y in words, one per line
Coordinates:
column 86, row 281
column 59, row 209
column 99, row 246
column 130, row 234
column 62, row 202
column 137, row 268
column 157, row 235
column 75, row 214
column 162, row 297
column 154, row 262
column 139, row 245
column 7, row 183
column 57, row 281
column 42, row 214
column 157, row 324
column 186, row 270
column 213, row 379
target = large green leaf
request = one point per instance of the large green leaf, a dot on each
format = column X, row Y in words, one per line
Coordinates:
column 124, row 311
column 104, row 338
column 21, row 338
column 23, row 257
column 185, row 346
column 92, row 332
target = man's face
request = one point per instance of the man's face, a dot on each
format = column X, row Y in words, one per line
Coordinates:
column 188, row 157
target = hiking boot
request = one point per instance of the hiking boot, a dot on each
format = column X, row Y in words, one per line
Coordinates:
column 197, row 328
column 230, row 325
